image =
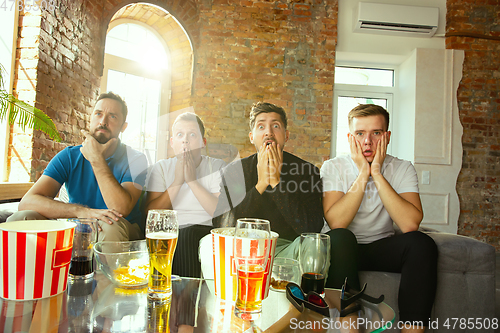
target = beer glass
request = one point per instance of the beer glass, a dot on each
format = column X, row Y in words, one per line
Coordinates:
column 82, row 256
column 162, row 229
column 158, row 317
column 314, row 259
column 252, row 242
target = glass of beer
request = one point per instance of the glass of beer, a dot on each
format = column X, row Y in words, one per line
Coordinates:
column 314, row 259
column 252, row 242
column 158, row 316
column 162, row 229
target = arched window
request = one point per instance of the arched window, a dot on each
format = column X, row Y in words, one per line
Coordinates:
column 137, row 67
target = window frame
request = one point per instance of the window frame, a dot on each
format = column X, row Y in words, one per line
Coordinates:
column 363, row 91
column 115, row 63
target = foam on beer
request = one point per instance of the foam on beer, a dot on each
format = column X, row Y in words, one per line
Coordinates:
column 161, row 235
column 256, row 234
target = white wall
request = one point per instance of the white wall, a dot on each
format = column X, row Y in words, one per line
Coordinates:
column 403, row 133
column 426, row 127
column 8, row 29
column 438, row 135
column 382, row 49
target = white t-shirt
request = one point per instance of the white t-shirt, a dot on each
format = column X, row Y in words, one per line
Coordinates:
column 372, row 221
column 189, row 209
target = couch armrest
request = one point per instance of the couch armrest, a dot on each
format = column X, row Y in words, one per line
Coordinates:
column 466, row 278
column 464, row 254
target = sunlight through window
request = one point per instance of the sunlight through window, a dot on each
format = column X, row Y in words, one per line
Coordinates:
column 133, row 42
column 364, row 76
column 143, row 98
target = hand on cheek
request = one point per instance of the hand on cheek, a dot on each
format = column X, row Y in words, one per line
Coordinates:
column 358, row 157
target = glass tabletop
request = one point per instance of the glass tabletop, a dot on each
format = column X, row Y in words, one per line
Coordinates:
column 97, row 305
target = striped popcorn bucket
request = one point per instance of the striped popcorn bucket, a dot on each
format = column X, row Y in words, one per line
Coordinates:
column 35, row 258
column 225, row 274
column 40, row 316
column 15, row 317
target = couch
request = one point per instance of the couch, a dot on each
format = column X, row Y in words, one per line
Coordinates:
column 465, row 286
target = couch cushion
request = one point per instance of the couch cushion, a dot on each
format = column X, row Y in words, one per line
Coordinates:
column 7, row 209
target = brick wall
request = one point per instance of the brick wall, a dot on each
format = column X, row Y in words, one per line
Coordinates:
column 68, row 73
column 276, row 51
column 473, row 26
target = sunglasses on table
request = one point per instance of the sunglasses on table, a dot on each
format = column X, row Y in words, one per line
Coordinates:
column 312, row 300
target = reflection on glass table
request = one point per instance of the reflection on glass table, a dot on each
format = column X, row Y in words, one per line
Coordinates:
column 97, row 305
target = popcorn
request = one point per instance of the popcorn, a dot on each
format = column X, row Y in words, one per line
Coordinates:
column 136, row 272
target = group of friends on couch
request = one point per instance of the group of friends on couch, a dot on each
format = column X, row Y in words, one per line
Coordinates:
column 359, row 195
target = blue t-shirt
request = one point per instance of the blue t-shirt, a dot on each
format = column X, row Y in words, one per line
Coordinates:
column 69, row 167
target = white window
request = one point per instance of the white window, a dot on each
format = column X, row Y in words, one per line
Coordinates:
column 137, row 67
column 353, row 86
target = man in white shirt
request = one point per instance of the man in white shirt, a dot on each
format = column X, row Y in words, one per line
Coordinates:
column 190, row 184
column 364, row 194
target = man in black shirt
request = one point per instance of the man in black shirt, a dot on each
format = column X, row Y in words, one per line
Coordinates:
column 272, row 184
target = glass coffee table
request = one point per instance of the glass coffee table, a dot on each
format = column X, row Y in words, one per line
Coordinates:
column 96, row 305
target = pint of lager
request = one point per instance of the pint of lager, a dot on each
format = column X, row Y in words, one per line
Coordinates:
column 252, row 243
column 158, row 317
column 250, row 282
column 161, row 237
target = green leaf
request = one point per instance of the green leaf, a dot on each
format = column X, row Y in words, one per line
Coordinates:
column 24, row 114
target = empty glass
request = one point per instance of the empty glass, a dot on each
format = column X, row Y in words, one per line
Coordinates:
column 284, row 270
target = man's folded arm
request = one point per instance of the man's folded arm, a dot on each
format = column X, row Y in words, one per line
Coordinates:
column 40, row 198
column 122, row 196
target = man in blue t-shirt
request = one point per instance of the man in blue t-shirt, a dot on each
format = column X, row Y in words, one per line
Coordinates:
column 103, row 178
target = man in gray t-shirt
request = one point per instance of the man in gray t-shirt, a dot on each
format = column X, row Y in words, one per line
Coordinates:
column 364, row 194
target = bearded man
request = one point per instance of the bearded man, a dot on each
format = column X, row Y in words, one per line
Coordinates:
column 103, row 178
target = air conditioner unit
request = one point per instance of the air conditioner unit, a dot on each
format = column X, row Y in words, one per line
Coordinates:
column 399, row 20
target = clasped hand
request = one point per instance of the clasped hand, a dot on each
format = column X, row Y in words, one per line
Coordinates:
column 105, row 215
column 375, row 167
column 185, row 168
column 269, row 163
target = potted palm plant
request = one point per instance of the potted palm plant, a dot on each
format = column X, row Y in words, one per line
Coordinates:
column 25, row 115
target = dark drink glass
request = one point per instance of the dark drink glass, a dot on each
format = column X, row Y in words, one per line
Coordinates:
column 313, row 282
column 82, row 257
column 314, row 260
column 81, row 266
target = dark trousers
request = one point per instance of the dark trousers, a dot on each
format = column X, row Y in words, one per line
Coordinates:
column 186, row 261
column 413, row 254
